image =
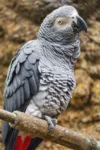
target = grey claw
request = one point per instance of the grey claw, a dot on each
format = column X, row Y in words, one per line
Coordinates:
column 51, row 123
column 54, row 121
column 50, row 128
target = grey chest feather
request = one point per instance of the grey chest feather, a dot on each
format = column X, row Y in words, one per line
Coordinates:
column 56, row 86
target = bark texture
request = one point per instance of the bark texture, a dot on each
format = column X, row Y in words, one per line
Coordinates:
column 39, row 128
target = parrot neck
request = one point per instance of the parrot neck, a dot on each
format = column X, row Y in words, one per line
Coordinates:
column 63, row 53
column 72, row 49
column 62, row 37
column 64, row 41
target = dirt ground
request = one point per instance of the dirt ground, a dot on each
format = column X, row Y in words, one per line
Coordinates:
column 20, row 21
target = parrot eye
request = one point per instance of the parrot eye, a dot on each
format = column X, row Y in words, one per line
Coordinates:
column 60, row 22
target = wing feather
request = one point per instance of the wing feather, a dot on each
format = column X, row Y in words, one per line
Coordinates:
column 23, row 77
column 22, row 80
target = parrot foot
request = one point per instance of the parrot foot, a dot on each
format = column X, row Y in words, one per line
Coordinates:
column 15, row 122
column 51, row 122
column 54, row 121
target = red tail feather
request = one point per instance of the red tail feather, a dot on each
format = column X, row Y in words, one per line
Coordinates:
column 20, row 144
column 27, row 142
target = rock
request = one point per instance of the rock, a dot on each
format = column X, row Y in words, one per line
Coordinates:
column 82, row 91
column 1, row 32
column 32, row 9
column 82, row 62
column 93, row 56
column 96, row 117
column 95, row 98
column 94, row 71
column 98, row 128
column 95, row 109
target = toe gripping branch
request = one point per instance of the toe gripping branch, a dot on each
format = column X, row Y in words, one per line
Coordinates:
column 51, row 122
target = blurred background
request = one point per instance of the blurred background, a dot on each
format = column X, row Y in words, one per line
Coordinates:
column 20, row 21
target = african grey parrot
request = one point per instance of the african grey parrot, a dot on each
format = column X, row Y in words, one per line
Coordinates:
column 40, row 80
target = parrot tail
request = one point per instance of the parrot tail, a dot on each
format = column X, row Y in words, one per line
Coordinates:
column 29, row 143
column 18, row 140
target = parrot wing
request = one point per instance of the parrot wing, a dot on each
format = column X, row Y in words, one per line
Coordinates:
column 22, row 81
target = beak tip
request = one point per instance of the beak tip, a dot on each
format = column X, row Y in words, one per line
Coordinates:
column 82, row 24
column 86, row 27
column 85, row 30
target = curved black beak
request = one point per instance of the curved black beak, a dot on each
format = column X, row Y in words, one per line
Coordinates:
column 81, row 24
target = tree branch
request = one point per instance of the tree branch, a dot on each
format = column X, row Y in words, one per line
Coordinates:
column 39, row 128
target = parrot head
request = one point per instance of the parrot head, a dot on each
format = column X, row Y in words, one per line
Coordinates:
column 62, row 25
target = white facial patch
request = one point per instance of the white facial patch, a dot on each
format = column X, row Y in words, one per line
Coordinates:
column 74, row 16
column 61, row 23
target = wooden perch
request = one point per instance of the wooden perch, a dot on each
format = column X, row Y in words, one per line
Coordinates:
column 39, row 128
